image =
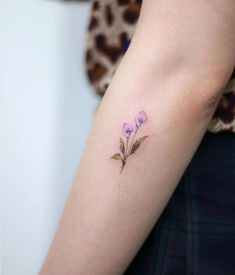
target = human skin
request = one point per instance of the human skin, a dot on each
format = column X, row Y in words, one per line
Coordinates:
column 180, row 59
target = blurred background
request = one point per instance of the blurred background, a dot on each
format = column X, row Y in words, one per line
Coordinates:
column 46, row 111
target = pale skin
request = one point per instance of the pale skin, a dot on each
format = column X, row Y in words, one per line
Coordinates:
column 180, row 59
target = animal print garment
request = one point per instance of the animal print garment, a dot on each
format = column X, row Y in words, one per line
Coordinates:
column 111, row 26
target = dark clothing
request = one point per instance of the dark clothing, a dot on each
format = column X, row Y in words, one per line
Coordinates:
column 195, row 235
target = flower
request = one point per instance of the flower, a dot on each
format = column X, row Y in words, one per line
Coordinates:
column 128, row 148
column 140, row 118
column 127, row 129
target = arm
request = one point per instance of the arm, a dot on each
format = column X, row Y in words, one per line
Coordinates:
column 180, row 58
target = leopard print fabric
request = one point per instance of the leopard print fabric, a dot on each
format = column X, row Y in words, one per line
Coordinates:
column 111, row 26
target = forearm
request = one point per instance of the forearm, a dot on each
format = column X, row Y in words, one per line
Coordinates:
column 109, row 214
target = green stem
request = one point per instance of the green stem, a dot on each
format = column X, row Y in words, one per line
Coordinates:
column 125, row 155
column 123, row 164
column 128, row 153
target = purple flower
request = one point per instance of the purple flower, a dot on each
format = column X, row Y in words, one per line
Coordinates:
column 127, row 129
column 141, row 118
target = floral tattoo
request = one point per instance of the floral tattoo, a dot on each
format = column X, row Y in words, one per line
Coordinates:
column 128, row 147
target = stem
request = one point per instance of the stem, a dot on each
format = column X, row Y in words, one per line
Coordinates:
column 125, row 155
column 123, row 164
column 128, row 150
column 128, row 153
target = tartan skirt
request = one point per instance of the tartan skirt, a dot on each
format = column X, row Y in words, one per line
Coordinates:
column 195, row 234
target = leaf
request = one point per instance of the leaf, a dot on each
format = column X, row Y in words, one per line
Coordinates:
column 122, row 146
column 117, row 156
column 137, row 144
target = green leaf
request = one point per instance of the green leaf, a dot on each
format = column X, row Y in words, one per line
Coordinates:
column 137, row 144
column 117, row 156
column 122, row 146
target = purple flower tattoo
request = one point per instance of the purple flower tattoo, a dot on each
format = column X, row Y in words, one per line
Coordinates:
column 129, row 131
column 141, row 118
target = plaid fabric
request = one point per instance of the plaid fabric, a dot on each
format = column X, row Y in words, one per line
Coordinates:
column 195, row 235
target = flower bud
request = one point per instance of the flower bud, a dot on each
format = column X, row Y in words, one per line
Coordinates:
column 140, row 118
column 127, row 129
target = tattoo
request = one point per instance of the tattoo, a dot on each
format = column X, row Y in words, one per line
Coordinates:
column 129, row 131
